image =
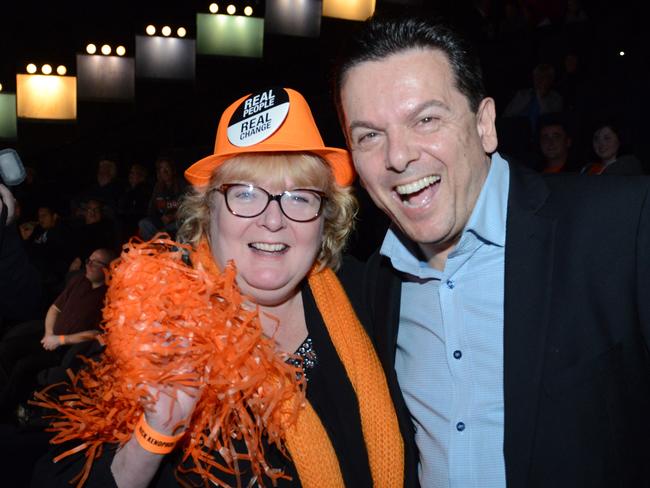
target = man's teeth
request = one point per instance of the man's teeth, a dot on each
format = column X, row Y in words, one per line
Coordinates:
column 418, row 185
column 263, row 246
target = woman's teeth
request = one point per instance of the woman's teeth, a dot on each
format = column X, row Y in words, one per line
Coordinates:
column 263, row 246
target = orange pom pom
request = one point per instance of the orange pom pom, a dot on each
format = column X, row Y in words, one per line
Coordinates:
column 176, row 325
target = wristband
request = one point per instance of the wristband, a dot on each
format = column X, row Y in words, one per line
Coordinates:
column 153, row 441
column 62, row 339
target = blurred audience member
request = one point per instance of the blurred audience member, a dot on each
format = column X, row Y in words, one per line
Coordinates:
column 607, row 145
column 165, row 199
column 96, row 231
column 538, row 100
column 554, row 144
column 48, row 248
column 134, row 201
column 74, row 317
column 106, row 188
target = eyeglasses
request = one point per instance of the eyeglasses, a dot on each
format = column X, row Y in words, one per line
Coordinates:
column 95, row 262
column 249, row 201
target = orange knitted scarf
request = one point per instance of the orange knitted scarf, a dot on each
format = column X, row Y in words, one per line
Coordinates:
column 310, row 448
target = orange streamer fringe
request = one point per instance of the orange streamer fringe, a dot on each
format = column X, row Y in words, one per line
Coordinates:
column 183, row 327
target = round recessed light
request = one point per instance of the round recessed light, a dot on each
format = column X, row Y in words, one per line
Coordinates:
column 621, row 53
column 61, row 70
column 91, row 49
column 166, row 31
column 31, row 68
column 231, row 9
column 0, row 86
column 106, row 49
column 181, row 32
column 248, row 11
column 120, row 50
column 151, row 30
column 46, row 69
column 214, row 8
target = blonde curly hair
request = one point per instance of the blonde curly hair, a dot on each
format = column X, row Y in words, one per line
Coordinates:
column 303, row 170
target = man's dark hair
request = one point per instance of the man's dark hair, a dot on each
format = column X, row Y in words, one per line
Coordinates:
column 382, row 37
column 553, row 118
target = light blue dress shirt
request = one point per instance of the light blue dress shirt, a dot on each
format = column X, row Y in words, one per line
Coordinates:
column 449, row 358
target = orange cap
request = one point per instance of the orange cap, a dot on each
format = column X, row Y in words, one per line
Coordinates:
column 272, row 120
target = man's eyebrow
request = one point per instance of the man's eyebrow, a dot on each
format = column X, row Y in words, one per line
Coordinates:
column 355, row 124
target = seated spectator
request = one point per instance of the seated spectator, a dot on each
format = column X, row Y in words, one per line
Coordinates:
column 165, row 199
column 134, row 202
column 538, row 100
column 74, row 317
column 106, row 188
column 554, row 144
column 96, row 231
column 607, row 148
column 48, row 248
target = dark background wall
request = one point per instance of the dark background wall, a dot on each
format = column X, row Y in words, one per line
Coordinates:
column 180, row 118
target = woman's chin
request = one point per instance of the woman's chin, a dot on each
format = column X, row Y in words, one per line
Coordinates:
column 267, row 293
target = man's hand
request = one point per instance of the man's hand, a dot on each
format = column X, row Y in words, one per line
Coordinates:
column 50, row 342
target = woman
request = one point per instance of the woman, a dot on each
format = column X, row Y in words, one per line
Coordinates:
column 606, row 146
column 277, row 202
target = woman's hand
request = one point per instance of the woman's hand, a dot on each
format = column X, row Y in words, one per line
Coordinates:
column 171, row 413
column 133, row 466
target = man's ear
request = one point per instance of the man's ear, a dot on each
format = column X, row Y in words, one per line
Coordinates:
column 485, row 125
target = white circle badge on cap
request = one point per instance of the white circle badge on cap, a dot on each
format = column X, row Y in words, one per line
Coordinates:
column 258, row 117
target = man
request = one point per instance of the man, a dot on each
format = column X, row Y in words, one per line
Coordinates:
column 74, row 317
column 511, row 310
column 538, row 100
column 555, row 144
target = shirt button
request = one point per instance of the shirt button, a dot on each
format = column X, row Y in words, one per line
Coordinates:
column 460, row 426
column 450, row 284
column 458, row 354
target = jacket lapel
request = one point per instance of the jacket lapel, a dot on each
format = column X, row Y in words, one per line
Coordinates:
column 528, row 279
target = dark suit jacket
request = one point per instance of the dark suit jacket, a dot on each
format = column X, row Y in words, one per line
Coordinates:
column 576, row 328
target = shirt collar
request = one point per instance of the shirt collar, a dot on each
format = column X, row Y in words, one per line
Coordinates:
column 488, row 219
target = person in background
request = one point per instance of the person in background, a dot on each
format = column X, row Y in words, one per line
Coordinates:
column 165, row 200
column 554, row 144
column 538, row 100
column 95, row 231
column 48, row 248
column 134, row 202
column 74, row 317
column 607, row 146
